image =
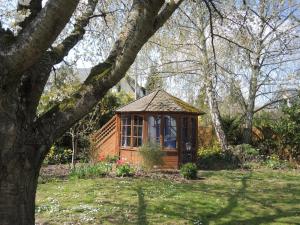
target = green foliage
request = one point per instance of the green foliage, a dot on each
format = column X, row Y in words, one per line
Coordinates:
column 124, row 170
column 212, row 157
column 245, row 153
column 152, row 155
column 189, row 171
column 90, row 171
column 274, row 162
column 281, row 133
column 58, row 155
column 111, row 159
column 64, row 83
column 208, row 151
column 232, row 129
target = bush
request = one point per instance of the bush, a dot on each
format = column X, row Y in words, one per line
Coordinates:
column 189, row 171
column 212, row 157
column 274, row 163
column 58, row 155
column 90, row 171
column 108, row 158
column 151, row 155
column 210, row 151
column 124, row 170
column 232, row 129
column 112, row 159
column 245, row 153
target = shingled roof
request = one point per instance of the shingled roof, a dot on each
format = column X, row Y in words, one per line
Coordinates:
column 159, row 101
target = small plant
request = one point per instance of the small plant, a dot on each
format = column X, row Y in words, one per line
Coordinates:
column 245, row 153
column 111, row 159
column 90, row 171
column 189, row 171
column 124, row 170
column 58, row 155
column 274, row 162
column 210, row 151
column 151, row 155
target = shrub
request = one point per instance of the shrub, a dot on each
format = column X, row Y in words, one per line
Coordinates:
column 58, row 155
column 274, row 162
column 111, row 159
column 232, row 129
column 124, row 170
column 189, row 171
column 151, row 155
column 245, row 153
column 90, row 171
column 209, row 151
column 212, row 157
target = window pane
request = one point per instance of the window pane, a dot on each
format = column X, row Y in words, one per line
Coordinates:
column 138, row 120
column 137, row 141
column 137, row 131
column 169, row 132
column 154, row 128
column 125, row 141
column 126, row 130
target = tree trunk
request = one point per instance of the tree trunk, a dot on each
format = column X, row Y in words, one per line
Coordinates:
column 17, row 191
column 74, row 150
column 20, row 162
column 247, row 133
column 210, row 94
column 215, row 115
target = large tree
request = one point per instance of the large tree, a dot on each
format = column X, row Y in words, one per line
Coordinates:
column 26, row 59
column 265, row 41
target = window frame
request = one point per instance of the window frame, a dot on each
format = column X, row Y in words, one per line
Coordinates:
column 133, row 129
column 121, row 131
column 175, row 117
column 132, row 126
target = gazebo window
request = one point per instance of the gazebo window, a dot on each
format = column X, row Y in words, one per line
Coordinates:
column 137, row 131
column 169, row 132
column 154, row 128
column 126, row 130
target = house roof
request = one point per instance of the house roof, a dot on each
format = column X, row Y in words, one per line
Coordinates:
column 159, row 101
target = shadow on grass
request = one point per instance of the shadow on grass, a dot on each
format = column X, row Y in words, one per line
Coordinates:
column 141, row 209
column 232, row 203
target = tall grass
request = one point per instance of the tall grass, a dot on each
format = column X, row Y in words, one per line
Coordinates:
column 91, row 170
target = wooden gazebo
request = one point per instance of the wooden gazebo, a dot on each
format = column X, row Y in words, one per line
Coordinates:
column 157, row 117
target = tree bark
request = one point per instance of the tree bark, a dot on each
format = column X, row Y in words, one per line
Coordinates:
column 24, row 138
column 74, row 149
column 20, row 163
column 247, row 133
column 17, row 191
column 210, row 93
column 215, row 115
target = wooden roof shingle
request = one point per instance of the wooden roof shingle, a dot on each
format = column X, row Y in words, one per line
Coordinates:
column 159, row 101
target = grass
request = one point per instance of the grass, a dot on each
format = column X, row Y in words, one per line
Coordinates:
column 222, row 197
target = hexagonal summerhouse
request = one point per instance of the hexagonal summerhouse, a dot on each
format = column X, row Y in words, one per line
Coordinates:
column 157, row 117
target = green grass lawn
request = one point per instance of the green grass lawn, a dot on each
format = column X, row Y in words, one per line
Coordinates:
column 221, row 197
